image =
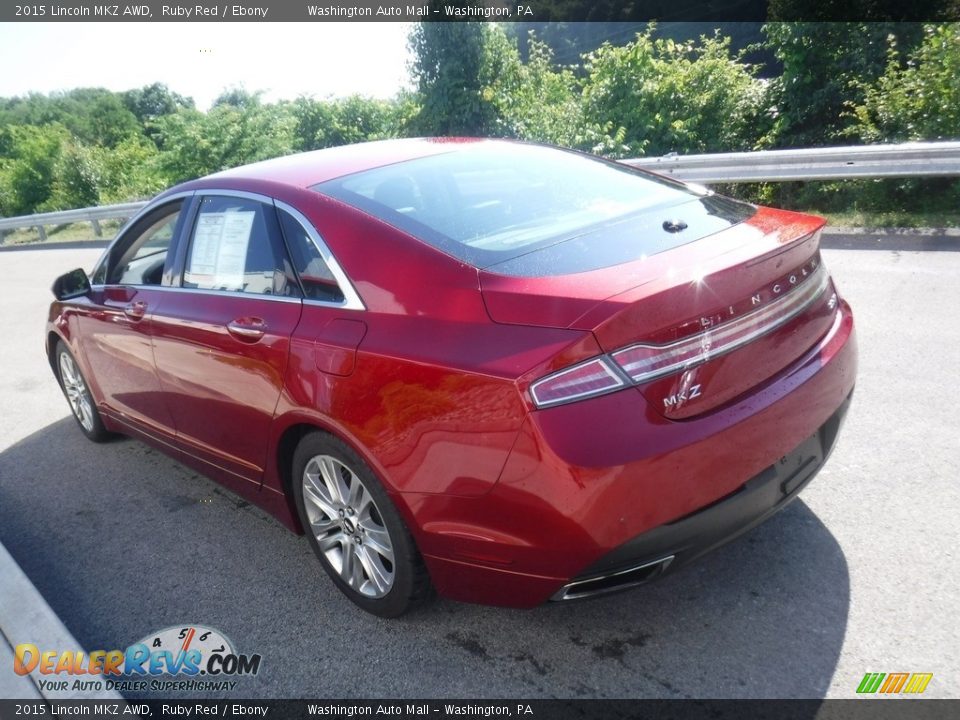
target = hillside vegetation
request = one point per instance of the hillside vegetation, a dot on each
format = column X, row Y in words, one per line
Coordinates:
column 828, row 84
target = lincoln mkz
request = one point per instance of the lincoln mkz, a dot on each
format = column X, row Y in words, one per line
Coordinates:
column 503, row 372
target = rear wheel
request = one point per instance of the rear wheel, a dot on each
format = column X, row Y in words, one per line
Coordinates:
column 78, row 396
column 355, row 529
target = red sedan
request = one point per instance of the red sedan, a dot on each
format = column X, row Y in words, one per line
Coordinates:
column 506, row 372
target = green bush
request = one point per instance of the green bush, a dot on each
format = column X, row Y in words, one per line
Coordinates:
column 656, row 96
column 538, row 101
column 327, row 123
column 918, row 100
column 230, row 134
column 29, row 170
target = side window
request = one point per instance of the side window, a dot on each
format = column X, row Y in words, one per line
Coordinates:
column 140, row 260
column 315, row 276
column 236, row 247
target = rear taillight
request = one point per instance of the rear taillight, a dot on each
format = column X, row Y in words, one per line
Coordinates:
column 642, row 363
column 589, row 379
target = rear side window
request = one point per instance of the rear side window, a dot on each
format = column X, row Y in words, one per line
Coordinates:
column 315, row 276
column 236, row 246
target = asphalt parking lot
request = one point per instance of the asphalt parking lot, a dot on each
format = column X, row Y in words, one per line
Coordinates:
column 860, row 575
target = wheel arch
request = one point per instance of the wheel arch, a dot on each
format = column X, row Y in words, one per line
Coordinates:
column 289, row 433
column 53, row 338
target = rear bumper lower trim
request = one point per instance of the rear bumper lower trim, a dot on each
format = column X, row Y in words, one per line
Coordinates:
column 670, row 546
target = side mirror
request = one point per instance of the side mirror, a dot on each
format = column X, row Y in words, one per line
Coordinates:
column 72, row 284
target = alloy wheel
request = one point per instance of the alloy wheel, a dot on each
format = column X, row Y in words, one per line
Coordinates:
column 348, row 526
column 76, row 389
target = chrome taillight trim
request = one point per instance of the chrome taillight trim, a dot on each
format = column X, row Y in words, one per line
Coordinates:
column 609, row 368
column 768, row 318
column 696, row 349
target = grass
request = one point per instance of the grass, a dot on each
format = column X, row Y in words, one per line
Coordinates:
column 893, row 219
column 74, row 232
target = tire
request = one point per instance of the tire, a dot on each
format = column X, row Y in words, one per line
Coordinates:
column 355, row 530
column 77, row 392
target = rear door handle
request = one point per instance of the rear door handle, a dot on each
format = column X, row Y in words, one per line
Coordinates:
column 247, row 329
column 135, row 310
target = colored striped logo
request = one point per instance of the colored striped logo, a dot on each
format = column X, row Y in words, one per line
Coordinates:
column 893, row 683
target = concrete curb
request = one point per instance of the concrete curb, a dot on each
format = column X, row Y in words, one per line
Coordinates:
column 25, row 617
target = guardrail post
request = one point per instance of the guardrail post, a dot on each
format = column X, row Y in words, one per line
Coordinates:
column 96, row 228
column 43, row 233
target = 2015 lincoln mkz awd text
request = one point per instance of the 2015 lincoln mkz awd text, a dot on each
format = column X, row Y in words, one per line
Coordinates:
column 506, row 372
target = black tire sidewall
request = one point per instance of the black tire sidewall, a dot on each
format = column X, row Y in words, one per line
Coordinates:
column 405, row 591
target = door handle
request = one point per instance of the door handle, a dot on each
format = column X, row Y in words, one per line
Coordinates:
column 247, row 329
column 135, row 310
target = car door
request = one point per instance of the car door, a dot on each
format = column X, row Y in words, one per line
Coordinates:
column 222, row 335
column 115, row 331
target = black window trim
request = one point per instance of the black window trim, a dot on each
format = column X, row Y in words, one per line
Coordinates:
column 351, row 299
column 187, row 237
column 176, row 265
column 183, row 198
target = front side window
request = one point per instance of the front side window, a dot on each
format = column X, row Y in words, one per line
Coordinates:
column 140, row 259
column 235, row 246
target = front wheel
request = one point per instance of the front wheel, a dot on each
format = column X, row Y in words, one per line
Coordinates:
column 78, row 396
column 355, row 530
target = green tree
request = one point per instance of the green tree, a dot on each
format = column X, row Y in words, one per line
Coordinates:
column 94, row 116
column 28, row 172
column 826, row 67
column 128, row 171
column 538, row 101
column 76, row 179
column 919, row 99
column 656, row 96
column 195, row 143
column 327, row 123
column 151, row 101
column 453, row 69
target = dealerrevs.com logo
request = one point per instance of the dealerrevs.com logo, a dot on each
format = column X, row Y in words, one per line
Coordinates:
column 203, row 657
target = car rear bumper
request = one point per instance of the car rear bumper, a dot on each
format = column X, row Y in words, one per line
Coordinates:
column 669, row 546
column 599, row 487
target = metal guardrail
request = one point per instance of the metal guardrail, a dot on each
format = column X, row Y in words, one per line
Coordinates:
column 64, row 217
column 836, row 163
column 929, row 159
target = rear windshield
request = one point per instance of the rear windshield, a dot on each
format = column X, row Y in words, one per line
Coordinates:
column 489, row 203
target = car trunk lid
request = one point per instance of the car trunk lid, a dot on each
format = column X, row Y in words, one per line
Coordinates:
column 698, row 324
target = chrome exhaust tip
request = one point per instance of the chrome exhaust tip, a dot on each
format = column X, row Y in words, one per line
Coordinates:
column 620, row 580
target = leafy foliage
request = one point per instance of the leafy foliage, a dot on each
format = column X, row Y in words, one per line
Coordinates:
column 327, row 123
column 28, row 172
column 656, row 96
column 919, row 99
column 539, row 101
column 827, row 66
column 657, row 91
column 456, row 66
column 195, row 143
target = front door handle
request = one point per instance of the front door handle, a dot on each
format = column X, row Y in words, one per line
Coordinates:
column 135, row 310
column 247, row 329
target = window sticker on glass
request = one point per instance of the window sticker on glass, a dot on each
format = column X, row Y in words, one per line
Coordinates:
column 220, row 245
